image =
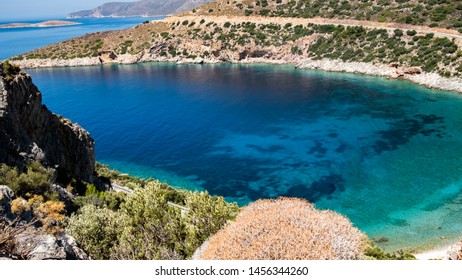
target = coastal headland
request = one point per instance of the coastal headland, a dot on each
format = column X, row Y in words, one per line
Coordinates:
column 313, row 43
column 48, row 23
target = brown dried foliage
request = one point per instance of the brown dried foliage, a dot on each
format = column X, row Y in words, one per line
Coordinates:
column 286, row 229
column 7, row 235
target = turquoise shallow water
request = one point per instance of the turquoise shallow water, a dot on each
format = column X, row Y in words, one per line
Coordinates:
column 384, row 153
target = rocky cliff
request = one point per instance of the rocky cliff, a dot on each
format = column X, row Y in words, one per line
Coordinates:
column 29, row 131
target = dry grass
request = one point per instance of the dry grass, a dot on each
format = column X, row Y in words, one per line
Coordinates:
column 289, row 229
column 7, row 235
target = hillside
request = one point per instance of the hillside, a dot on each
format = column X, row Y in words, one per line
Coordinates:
column 288, row 39
column 222, row 31
column 139, row 8
column 432, row 13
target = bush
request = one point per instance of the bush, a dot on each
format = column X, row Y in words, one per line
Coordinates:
column 146, row 227
column 96, row 230
column 286, row 228
column 9, row 70
column 171, row 234
column 51, row 215
column 206, row 216
column 35, row 180
column 375, row 253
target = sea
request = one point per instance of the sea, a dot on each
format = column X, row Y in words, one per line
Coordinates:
column 385, row 153
column 14, row 41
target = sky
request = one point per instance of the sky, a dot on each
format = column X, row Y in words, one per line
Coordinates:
column 30, row 9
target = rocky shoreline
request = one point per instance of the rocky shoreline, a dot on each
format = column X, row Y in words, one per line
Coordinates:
column 430, row 80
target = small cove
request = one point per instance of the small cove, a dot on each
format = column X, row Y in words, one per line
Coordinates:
column 384, row 153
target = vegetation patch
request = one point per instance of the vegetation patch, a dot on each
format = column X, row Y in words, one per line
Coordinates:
column 286, row 229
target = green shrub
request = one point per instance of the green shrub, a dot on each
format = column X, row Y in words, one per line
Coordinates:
column 158, row 231
column 398, row 32
column 34, row 181
column 9, row 70
column 146, row 227
column 96, row 230
column 375, row 253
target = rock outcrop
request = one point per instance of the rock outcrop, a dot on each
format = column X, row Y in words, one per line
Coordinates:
column 455, row 252
column 32, row 245
column 107, row 56
column 431, row 80
column 29, row 131
column 6, row 195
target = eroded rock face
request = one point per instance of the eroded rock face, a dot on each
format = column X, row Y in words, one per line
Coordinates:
column 28, row 130
column 107, row 56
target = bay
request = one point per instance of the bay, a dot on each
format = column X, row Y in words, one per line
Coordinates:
column 15, row 41
column 384, row 153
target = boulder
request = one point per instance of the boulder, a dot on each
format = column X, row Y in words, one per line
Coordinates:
column 455, row 252
column 412, row 70
column 31, row 244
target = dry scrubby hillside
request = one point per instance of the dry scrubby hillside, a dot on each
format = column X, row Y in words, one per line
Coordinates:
column 433, row 13
column 286, row 229
column 234, row 39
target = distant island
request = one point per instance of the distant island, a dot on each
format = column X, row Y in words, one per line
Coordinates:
column 48, row 23
column 139, row 8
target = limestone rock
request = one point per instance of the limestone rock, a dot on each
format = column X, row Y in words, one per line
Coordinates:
column 65, row 196
column 455, row 252
column 71, row 248
column 32, row 245
column 28, row 130
column 107, row 56
column 412, row 70
column 6, row 195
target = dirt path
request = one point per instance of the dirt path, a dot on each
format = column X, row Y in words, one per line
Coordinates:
column 440, row 32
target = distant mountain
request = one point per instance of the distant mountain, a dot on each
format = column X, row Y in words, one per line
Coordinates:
column 139, row 8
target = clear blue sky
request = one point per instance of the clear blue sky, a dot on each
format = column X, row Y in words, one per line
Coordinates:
column 23, row 9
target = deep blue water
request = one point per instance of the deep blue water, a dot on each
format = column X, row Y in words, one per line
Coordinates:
column 14, row 41
column 384, row 153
